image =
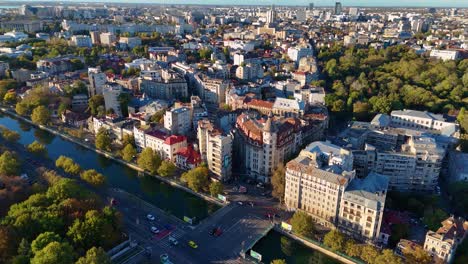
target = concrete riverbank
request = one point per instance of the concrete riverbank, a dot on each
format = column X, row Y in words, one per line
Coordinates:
column 110, row 156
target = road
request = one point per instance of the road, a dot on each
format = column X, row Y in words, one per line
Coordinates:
column 241, row 225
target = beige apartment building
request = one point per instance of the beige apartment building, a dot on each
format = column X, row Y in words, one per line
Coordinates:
column 316, row 180
column 216, row 149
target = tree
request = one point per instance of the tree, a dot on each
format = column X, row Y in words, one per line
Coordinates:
column 278, row 183
column 417, row 256
column 216, row 188
column 94, row 103
column 103, row 140
column 387, row 257
column 149, row 160
column 94, row 256
column 158, row 117
column 37, row 148
column 43, row 240
column 54, row 253
column 68, row 165
column 197, row 178
column 166, row 168
column 278, row 261
column 129, row 152
column 10, row 97
column 8, row 243
column 334, row 240
column 9, row 164
column 302, row 224
column 369, row 253
column 66, row 188
column 21, row 108
column 40, row 115
column 352, row 249
column 93, row 177
column 10, row 135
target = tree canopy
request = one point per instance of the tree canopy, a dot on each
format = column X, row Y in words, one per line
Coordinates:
column 149, row 160
column 40, row 115
column 197, row 178
column 302, row 223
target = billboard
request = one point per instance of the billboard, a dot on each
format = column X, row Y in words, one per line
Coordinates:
column 255, row 255
column 222, row 197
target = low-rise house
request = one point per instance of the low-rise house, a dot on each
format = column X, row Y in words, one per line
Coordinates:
column 187, row 158
column 443, row 243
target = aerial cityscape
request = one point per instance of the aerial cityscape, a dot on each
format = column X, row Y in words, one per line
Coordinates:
column 273, row 132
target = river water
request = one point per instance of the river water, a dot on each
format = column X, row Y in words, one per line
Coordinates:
column 170, row 199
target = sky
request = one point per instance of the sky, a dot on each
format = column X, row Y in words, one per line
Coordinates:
column 412, row 3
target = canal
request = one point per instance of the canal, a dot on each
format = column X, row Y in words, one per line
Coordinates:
column 170, row 199
column 277, row 246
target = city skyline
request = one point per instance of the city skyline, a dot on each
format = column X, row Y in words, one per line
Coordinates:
column 322, row 3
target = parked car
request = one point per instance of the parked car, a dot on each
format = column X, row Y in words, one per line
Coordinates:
column 150, row 217
column 164, row 259
column 154, row 230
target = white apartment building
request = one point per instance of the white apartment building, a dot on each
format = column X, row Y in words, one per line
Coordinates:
column 423, row 121
column 81, row 41
column 211, row 90
column 415, row 167
column 445, row 54
column 111, row 92
column 129, row 42
column 251, row 71
column 316, row 180
column 362, row 206
column 165, row 145
column 216, row 149
column 178, row 120
column 299, row 52
column 97, row 80
column 107, row 38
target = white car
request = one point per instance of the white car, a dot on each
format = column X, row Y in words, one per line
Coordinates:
column 150, row 217
column 154, row 230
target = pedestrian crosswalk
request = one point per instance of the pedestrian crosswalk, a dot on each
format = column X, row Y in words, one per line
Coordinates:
column 165, row 243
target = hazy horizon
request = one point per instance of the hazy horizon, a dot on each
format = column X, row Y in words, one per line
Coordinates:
column 364, row 3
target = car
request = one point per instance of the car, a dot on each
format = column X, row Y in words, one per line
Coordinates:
column 252, row 204
column 260, row 185
column 240, row 203
column 164, row 258
column 173, row 241
column 155, row 230
column 212, row 231
column 192, row 244
column 150, row 217
column 218, row 232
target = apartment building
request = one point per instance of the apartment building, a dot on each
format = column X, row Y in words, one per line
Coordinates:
column 97, row 80
column 111, row 93
column 129, row 42
column 168, row 85
column 178, row 121
column 56, row 65
column 167, row 146
column 316, row 181
column 442, row 244
column 216, row 149
column 423, row 121
column 262, row 144
column 414, row 167
column 299, row 52
column 249, row 72
column 81, row 41
column 211, row 90
column 362, row 206
column 107, row 38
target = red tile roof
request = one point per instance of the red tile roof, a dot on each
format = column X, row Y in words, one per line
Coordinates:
column 173, row 139
column 192, row 156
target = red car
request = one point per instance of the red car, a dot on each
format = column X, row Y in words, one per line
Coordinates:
column 218, row 232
